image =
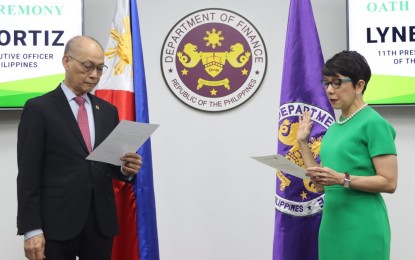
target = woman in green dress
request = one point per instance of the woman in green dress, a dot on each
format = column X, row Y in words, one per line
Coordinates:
column 358, row 163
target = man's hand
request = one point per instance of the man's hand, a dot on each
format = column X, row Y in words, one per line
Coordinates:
column 132, row 164
column 34, row 247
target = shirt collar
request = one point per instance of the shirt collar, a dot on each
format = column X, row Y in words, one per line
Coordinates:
column 70, row 95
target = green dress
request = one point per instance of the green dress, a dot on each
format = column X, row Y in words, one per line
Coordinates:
column 355, row 224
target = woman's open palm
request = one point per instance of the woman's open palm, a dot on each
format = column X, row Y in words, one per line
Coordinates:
column 304, row 127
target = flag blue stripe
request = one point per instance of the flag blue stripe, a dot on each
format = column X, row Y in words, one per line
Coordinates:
column 143, row 187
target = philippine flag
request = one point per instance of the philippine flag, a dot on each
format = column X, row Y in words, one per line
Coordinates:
column 123, row 84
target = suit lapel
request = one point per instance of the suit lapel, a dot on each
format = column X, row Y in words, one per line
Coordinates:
column 97, row 119
column 65, row 110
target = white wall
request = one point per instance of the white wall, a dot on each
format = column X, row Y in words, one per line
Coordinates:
column 213, row 201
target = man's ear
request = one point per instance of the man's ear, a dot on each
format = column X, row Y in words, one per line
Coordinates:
column 65, row 61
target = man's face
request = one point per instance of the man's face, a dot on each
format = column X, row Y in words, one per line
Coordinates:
column 84, row 66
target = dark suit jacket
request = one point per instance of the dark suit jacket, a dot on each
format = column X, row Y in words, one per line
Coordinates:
column 55, row 183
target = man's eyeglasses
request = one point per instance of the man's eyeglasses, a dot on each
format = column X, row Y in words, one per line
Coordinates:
column 89, row 66
column 335, row 83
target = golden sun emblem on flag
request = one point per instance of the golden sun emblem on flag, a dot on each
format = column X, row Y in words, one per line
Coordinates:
column 123, row 49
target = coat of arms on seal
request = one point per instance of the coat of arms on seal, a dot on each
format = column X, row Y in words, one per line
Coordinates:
column 213, row 60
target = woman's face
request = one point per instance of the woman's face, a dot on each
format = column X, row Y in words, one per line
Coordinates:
column 340, row 91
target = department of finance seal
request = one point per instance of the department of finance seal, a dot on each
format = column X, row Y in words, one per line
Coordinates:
column 213, row 60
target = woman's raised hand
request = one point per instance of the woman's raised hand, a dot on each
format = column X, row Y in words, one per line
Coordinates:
column 304, row 127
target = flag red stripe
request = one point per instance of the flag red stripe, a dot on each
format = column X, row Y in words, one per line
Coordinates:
column 122, row 99
column 126, row 242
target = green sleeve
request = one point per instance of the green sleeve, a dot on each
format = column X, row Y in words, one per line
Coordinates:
column 380, row 137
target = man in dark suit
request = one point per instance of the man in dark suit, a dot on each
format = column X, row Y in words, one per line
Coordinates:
column 66, row 205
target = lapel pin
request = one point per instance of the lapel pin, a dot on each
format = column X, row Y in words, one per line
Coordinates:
column 97, row 107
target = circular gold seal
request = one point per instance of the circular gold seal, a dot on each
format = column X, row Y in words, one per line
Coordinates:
column 213, row 60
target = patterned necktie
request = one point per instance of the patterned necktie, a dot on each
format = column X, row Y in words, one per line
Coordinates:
column 83, row 121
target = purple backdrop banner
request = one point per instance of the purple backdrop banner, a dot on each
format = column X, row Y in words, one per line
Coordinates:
column 298, row 205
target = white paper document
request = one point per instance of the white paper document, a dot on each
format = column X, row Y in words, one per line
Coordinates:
column 128, row 136
column 281, row 163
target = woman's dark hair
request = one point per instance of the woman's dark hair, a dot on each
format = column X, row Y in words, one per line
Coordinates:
column 349, row 64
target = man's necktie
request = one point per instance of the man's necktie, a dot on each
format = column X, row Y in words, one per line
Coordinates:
column 83, row 121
